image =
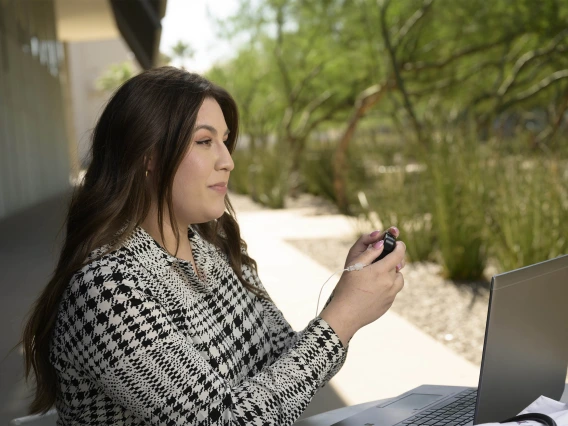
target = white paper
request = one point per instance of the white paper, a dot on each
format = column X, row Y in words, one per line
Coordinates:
column 543, row 405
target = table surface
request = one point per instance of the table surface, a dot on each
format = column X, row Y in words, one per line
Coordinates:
column 333, row 416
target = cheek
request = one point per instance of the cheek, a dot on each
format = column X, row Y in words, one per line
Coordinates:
column 191, row 176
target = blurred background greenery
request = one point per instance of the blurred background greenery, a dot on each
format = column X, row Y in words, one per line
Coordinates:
column 447, row 118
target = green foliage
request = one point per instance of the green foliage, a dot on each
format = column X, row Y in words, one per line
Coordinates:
column 456, row 167
column 250, row 80
column 395, row 194
column 115, row 76
column 241, row 175
column 402, row 197
column 164, row 59
column 262, row 175
column 481, row 88
column 474, row 202
column 317, row 170
column 181, row 51
column 529, row 212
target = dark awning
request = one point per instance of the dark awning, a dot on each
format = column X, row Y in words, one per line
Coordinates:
column 139, row 22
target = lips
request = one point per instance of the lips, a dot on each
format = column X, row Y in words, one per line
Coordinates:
column 220, row 187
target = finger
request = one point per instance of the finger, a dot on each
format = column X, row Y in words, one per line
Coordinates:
column 394, row 231
column 398, row 282
column 365, row 242
column 390, row 261
column 374, row 251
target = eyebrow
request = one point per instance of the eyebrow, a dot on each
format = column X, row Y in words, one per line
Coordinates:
column 210, row 128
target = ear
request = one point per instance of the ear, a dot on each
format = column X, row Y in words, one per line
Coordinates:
column 149, row 163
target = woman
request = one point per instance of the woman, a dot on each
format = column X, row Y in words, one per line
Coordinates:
column 155, row 313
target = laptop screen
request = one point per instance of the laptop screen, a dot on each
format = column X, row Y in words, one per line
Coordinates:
column 525, row 354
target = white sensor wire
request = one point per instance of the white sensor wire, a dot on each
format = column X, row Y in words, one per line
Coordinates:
column 356, row 267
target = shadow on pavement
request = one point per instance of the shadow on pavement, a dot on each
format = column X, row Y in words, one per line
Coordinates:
column 29, row 245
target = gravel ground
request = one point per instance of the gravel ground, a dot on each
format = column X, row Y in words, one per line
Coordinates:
column 452, row 313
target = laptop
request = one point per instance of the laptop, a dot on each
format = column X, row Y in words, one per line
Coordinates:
column 525, row 355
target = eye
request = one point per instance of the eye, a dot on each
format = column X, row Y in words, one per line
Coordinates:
column 204, row 142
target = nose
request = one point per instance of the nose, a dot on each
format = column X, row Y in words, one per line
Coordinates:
column 225, row 161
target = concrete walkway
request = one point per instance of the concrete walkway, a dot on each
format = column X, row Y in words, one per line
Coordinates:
column 385, row 358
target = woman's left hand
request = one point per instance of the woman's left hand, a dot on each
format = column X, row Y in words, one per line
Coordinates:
column 363, row 243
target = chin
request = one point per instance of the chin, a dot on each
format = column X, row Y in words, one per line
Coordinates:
column 219, row 214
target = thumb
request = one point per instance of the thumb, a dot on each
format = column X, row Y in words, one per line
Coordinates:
column 373, row 251
column 366, row 240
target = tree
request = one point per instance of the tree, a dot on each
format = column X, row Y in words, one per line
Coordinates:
column 306, row 59
column 470, row 54
column 182, row 51
column 164, row 59
column 329, row 63
column 115, row 76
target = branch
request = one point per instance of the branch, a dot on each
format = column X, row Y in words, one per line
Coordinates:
column 396, row 71
column 551, row 131
column 310, row 108
column 419, row 66
column 247, row 101
column 435, row 77
column 529, row 78
column 278, row 51
column 528, row 57
column 310, row 42
column 543, row 84
column 411, row 22
column 452, row 81
column 365, row 100
column 327, row 116
column 295, row 93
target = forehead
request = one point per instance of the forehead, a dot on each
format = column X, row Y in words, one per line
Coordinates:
column 211, row 113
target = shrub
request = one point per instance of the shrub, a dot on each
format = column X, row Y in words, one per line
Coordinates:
column 529, row 210
column 260, row 174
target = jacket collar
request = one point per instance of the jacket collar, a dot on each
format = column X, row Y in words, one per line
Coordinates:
column 154, row 257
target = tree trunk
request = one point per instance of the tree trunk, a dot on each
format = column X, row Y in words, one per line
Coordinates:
column 297, row 145
column 367, row 99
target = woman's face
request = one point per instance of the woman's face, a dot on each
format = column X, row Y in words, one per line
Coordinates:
column 208, row 163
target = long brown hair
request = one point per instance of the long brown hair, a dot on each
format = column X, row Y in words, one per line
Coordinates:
column 152, row 114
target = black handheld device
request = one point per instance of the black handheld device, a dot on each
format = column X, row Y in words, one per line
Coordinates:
column 389, row 245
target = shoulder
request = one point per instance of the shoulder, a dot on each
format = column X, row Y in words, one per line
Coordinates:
column 115, row 272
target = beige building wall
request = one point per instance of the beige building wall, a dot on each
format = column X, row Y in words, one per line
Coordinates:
column 34, row 156
column 51, row 53
column 87, row 60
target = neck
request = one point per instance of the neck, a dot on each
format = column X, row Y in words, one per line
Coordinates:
column 151, row 226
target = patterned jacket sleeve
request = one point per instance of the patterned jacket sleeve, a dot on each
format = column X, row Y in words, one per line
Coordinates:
column 282, row 334
column 125, row 341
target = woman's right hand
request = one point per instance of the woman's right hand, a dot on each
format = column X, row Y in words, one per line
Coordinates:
column 361, row 297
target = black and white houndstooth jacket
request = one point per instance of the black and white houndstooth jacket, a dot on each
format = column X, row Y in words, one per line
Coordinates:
column 140, row 339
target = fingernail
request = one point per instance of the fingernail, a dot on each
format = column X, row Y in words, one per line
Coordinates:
column 395, row 229
column 375, row 233
column 378, row 244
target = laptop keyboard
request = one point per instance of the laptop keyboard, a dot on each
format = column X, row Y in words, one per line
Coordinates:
column 458, row 412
